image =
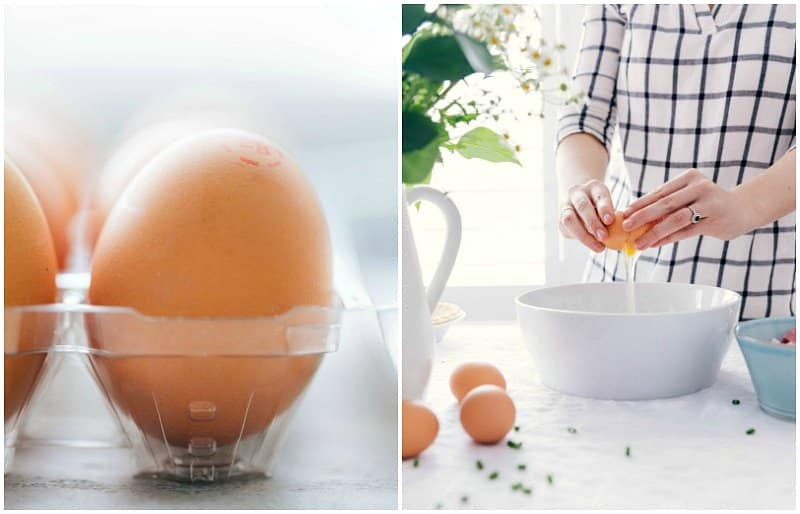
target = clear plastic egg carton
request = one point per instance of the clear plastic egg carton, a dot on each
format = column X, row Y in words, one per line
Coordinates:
column 194, row 399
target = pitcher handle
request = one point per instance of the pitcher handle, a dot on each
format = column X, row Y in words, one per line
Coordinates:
column 452, row 238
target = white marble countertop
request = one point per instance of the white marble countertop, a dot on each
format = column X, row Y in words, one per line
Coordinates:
column 687, row 452
column 341, row 452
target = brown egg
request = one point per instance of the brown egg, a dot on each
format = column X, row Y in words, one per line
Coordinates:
column 618, row 239
column 54, row 196
column 57, row 134
column 470, row 375
column 30, row 279
column 420, row 427
column 221, row 224
column 134, row 154
column 487, row 414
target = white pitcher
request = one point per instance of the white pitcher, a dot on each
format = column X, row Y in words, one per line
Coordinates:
column 417, row 303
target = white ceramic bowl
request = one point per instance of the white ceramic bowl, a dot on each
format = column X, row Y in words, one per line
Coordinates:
column 584, row 342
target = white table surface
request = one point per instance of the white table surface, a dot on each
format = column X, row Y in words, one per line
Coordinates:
column 687, row 452
column 341, row 451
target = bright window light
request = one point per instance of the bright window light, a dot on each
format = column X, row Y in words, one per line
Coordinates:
column 501, row 205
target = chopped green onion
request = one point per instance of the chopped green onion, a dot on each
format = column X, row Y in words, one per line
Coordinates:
column 512, row 444
column 627, row 451
column 750, row 431
column 572, row 430
column 416, row 463
column 735, row 401
column 494, row 475
column 527, row 490
column 549, row 479
column 522, row 467
column 464, row 499
column 479, row 464
column 517, row 486
column 516, row 428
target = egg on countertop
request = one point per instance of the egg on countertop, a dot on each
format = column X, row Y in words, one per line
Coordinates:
column 470, row 375
column 420, row 427
column 29, row 274
column 487, row 414
column 219, row 224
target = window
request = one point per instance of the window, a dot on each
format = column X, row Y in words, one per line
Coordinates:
column 501, row 205
column 509, row 241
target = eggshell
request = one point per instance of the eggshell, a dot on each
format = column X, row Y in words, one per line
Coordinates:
column 52, row 193
column 420, row 427
column 470, row 375
column 58, row 135
column 185, row 399
column 219, row 224
column 619, row 239
column 487, row 414
column 29, row 274
column 133, row 155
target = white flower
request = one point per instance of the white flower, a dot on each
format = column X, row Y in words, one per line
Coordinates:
column 513, row 33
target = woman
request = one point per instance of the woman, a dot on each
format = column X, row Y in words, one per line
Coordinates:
column 703, row 101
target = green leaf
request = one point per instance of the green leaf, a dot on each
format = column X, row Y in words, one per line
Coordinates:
column 438, row 58
column 418, row 130
column 486, row 144
column 477, row 54
column 418, row 36
column 413, row 16
column 418, row 164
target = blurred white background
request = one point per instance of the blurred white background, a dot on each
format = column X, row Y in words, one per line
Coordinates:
column 319, row 80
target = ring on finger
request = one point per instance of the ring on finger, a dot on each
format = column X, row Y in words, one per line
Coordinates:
column 696, row 216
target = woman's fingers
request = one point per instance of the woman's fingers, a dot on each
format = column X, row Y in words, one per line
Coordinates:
column 602, row 202
column 684, row 233
column 588, row 213
column 662, row 191
column 588, row 210
column 661, row 230
column 572, row 227
column 662, row 208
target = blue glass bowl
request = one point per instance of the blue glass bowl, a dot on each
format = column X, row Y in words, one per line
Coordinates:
column 771, row 366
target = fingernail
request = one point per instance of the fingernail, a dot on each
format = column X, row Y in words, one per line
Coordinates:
column 640, row 246
column 601, row 234
column 627, row 224
column 608, row 219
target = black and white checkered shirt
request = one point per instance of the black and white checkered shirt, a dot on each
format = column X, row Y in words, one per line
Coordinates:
column 686, row 87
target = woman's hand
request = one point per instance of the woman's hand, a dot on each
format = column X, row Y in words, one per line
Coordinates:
column 585, row 213
column 687, row 206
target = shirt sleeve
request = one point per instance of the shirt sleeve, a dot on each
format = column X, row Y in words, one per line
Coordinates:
column 596, row 76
